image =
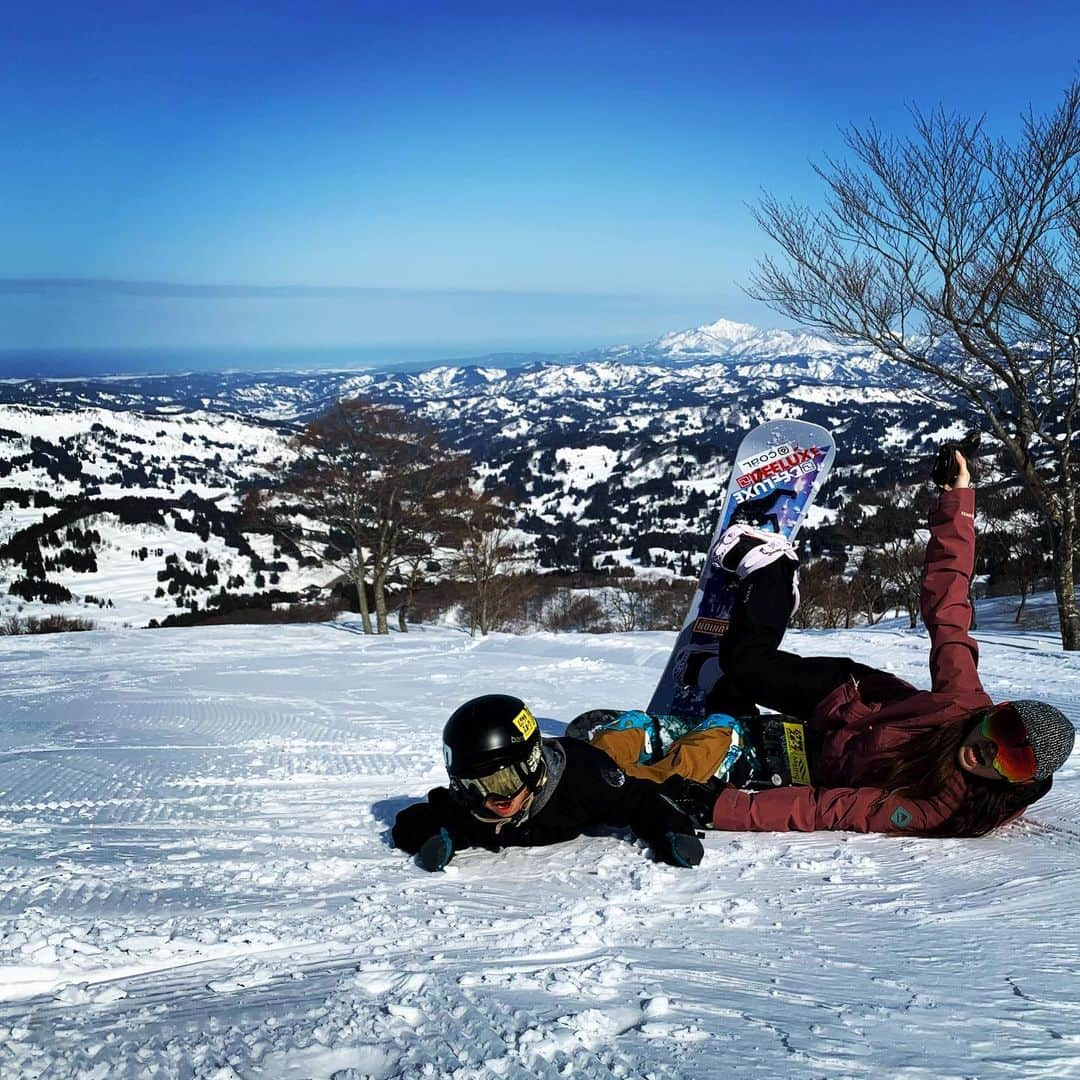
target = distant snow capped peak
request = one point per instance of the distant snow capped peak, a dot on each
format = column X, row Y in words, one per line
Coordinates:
column 712, row 338
column 728, row 330
column 728, row 340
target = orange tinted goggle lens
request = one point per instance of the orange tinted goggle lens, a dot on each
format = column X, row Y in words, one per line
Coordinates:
column 502, row 785
column 1015, row 758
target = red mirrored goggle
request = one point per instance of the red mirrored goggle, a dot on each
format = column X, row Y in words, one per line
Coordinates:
column 1014, row 757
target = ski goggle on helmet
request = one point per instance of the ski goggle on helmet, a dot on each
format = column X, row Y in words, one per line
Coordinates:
column 1014, row 757
column 503, row 785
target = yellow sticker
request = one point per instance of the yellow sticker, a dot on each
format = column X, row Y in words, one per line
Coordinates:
column 795, row 740
column 525, row 723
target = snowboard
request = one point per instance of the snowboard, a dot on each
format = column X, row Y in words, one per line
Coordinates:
column 779, row 468
column 773, row 749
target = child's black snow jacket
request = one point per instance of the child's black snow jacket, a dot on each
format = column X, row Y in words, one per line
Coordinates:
column 585, row 790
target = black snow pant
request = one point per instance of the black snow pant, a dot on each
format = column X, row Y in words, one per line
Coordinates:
column 756, row 671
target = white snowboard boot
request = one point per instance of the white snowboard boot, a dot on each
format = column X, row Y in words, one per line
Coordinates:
column 743, row 549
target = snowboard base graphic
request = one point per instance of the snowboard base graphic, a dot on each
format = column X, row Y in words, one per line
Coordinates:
column 779, row 468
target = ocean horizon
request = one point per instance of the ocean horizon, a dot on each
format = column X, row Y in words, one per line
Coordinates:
column 90, row 363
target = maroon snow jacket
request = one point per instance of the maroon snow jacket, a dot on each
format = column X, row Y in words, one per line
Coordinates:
column 870, row 722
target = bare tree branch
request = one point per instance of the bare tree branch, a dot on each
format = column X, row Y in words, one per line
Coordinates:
column 959, row 257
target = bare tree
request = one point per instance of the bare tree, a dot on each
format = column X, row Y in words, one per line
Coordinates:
column 484, row 559
column 411, row 564
column 370, row 485
column 826, row 600
column 958, row 255
column 1016, row 554
column 1025, row 565
column 899, row 563
column 869, row 593
column 635, row 604
column 627, row 606
column 574, row 610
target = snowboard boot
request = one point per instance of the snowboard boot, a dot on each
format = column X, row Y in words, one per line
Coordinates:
column 586, row 725
column 743, row 549
column 734, row 750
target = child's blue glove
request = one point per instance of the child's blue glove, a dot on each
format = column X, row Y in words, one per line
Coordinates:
column 437, row 851
column 680, row 849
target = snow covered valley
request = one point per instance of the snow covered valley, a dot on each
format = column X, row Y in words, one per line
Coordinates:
column 196, row 880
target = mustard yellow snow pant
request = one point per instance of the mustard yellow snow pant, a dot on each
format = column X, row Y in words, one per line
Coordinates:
column 697, row 755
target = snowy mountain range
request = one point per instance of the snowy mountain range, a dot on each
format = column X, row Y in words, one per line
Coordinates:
column 611, row 458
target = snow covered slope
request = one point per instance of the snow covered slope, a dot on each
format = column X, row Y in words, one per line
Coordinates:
column 84, row 462
column 195, row 880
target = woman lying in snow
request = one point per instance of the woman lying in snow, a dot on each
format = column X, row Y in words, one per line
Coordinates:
column 509, row 787
column 884, row 756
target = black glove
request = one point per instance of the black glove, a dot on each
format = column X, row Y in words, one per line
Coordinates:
column 945, row 468
column 693, row 799
column 416, row 824
column 436, row 851
column 679, row 849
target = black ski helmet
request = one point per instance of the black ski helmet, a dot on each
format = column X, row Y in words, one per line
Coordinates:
column 492, row 746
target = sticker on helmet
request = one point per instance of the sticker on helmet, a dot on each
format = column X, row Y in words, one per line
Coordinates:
column 447, row 754
column 525, row 723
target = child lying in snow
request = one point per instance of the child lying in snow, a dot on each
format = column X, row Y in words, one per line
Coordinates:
column 509, row 787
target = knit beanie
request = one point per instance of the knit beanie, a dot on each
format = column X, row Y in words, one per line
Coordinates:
column 1050, row 733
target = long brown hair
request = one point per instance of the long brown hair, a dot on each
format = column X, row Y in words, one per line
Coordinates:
column 928, row 764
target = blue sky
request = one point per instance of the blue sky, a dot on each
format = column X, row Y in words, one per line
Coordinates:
column 447, row 175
